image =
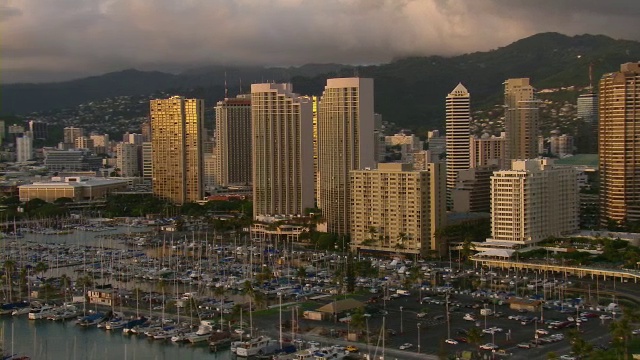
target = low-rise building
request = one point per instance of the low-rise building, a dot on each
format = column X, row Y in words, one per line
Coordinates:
column 75, row 188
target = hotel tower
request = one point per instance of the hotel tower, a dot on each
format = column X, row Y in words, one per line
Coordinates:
column 345, row 143
column 177, row 128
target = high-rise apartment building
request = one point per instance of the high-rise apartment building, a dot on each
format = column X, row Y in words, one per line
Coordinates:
column 209, row 173
column 619, row 145
column 588, row 108
column 145, row 130
column 83, row 142
column 488, row 150
column 233, row 141
column 24, row 147
column 177, row 125
column 316, row 178
column 473, row 190
column 561, row 145
column 345, row 143
column 147, row 161
column 521, row 119
column 458, row 123
column 437, row 145
column 132, row 138
column 282, row 142
column 38, row 129
column 533, row 201
column 127, row 156
column 397, row 209
column 70, row 134
column 100, row 140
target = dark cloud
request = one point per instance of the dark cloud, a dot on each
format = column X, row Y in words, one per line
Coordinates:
column 50, row 39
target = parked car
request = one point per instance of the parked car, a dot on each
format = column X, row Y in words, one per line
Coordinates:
column 406, row 346
column 489, row 346
column 524, row 346
column 451, row 342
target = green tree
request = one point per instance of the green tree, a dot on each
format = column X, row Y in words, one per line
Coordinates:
column 358, row 319
column 301, row 273
column 41, row 268
column 474, row 337
column 552, row 356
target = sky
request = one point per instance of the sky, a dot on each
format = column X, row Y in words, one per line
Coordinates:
column 52, row 40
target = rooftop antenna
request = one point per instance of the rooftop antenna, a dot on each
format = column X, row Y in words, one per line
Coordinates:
column 240, row 85
column 226, row 91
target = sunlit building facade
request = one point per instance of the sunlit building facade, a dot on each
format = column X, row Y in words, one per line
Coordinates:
column 345, row 143
column 177, row 125
column 619, row 145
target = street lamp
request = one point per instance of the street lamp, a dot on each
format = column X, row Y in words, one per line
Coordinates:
column 419, row 337
column 280, row 323
column 401, row 327
column 366, row 319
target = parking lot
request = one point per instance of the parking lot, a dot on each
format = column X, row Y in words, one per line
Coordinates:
column 403, row 325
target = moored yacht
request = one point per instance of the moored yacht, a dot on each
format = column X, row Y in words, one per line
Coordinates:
column 40, row 312
column 262, row 345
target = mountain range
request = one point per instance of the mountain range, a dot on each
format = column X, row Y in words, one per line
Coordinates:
column 409, row 91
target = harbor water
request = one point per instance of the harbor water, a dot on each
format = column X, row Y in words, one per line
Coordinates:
column 44, row 339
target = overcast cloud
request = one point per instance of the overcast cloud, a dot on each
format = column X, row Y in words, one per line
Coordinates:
column 44, row 40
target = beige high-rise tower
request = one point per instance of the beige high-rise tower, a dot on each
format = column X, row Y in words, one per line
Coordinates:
column 233, row 141
column 345, row 143
column 521, row 119
column 282, row 142
column 397, row 209
column 177, row 125
column 458, row 123
column 619, row 145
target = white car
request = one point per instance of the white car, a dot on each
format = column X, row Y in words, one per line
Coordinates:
column 451, row 341
column 489, row 346
column 605, row 317
column 542, row 332
column 406, row 346
column 568, row 357
column 313, row 343
column 469, row 317
column 636, row 332
column 421, row 315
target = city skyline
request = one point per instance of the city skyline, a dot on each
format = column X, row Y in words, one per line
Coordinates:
column 285, row 32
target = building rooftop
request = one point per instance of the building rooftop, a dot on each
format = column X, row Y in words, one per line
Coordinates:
column 579, row 159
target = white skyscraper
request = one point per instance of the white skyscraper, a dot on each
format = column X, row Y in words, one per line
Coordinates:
column 457, row 124
column 127, row 156
column 24, row 148
column 532, row 201
column 345, row 143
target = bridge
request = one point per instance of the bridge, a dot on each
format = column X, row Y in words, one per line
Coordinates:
column 621, row 274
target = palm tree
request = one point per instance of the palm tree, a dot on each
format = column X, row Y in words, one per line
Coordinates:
column 474, row 337
column 621, row 332
column 41, row 268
